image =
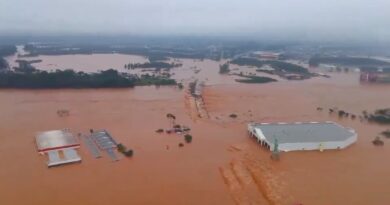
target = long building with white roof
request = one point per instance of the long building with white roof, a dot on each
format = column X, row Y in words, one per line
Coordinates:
column 59, row 145
column 302, row 136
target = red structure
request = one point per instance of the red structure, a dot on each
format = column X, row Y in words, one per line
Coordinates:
column 55, row 140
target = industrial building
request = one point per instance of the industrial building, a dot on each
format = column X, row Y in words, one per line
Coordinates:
column 302, row 136
column 59, row 145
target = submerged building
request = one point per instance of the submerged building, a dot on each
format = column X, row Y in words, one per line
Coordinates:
column 105, row 142
column 302, row 136
column 59, row 145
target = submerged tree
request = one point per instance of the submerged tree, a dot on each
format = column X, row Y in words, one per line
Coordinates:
column 188, row 138
column 377, row 141
column 386, row 133
column 172, row 118
column 224, row 68
column 180, row 86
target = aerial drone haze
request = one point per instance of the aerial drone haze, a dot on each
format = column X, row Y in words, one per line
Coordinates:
column 287, row 19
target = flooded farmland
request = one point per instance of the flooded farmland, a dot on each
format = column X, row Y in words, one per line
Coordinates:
column 221, row 166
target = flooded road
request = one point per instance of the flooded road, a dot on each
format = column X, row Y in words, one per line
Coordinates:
column 221, row 166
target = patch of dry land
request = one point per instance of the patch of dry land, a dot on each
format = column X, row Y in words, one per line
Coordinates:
column 222, row 165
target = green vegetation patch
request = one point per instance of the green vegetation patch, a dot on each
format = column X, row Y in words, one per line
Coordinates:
column 346, row 61
column 71, row 79
column 279, row 66
column 256, row 79
column 188, row 138
column 224, row 68
column 381, row 116
column 127, row 152
column 386, row 133
column 3, row 64
column 247, row 62
column 154, row 64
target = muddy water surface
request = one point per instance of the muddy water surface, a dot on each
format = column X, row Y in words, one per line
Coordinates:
column 356, row 175
column 221, row 166
column 159, row 173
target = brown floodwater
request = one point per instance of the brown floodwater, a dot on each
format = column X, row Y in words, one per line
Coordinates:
column 155, row 175
column 356, row 175
column 221, row 166
column 85, row 63
column 205, row 70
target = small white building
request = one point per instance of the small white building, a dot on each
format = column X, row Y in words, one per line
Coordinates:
column 302, row 136
column 59, row 145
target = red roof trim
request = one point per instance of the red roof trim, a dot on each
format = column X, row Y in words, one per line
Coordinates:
column 61, row 147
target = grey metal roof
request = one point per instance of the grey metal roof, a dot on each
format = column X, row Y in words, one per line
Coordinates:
column 304, row 132
column 69, row 156
column 103, row 139
column 55, row 139
column 93, row 149
column 54, row 156
column 112, row 154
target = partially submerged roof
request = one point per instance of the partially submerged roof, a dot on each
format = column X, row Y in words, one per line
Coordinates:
column 303, row 132
column 103, row 139
column 69, row 156
column 55, row 139
column 105, row 142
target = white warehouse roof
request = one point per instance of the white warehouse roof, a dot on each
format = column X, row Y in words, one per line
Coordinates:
column 55, row 139
column 304, row 135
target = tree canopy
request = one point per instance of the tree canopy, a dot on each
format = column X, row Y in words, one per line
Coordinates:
column 71, row 79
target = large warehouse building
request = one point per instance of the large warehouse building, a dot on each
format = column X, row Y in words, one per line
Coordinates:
column 302, row 136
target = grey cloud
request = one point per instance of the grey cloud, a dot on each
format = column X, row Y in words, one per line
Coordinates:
column 342, row 19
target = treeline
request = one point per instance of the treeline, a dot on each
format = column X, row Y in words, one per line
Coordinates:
column 247, row 62
column 256, row 79
column 153, row 52
column 346, row 61
column 224, row 68
column 25, row 67
column 155, row 64
column 6, row 50
column 380, row 116
column 152, row 49
column 147, row 79
column 3, row 64
column 279, row 66
column 71, row 79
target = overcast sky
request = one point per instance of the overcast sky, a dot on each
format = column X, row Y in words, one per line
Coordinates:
column 339, row 19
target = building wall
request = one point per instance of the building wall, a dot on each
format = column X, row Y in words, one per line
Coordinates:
column 306, row 145
column 316, row 145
